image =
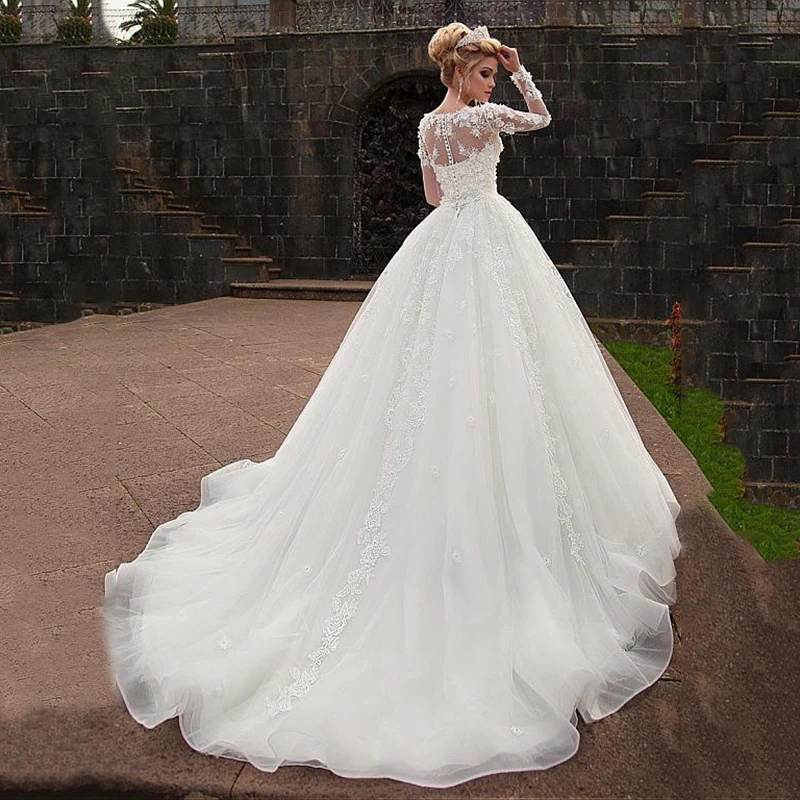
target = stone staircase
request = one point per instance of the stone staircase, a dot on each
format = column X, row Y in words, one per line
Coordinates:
column 187, row 237
column 751, row 260
column 725, row 239
column 24, row 226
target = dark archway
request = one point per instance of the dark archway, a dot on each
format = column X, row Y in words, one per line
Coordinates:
column 389, row 199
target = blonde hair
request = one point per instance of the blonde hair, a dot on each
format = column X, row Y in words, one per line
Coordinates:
column 442, row 51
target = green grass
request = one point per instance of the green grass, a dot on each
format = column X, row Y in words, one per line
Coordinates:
column 774, row 531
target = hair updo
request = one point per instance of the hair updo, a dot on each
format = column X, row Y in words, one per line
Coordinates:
column 443, row 53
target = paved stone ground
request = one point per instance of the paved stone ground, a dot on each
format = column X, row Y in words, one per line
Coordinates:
column 107, row 426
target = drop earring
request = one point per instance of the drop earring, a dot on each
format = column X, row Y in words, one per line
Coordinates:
column 460, row 86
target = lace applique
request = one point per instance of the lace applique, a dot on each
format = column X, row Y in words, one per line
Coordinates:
column 342, row 453
column 412, row 386
column 307, row 569
column 435, row 471
column 641, row 550
column 457, row 556
column 524, row 82
column 224, row 643
column 516, row 730
column 523, row 332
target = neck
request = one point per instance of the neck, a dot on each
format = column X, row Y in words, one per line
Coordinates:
column 451, row 98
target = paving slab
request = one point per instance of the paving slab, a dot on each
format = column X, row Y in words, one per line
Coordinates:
column 107, row 426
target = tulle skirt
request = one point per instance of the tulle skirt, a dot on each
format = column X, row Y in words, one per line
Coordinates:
column 461, row 544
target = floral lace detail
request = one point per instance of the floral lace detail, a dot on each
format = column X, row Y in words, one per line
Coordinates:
column 516, row 730
column 523, row 332
column 411, row 388
column 463, row 147
column 524, row 82
column 457, row 556
column 224, row 643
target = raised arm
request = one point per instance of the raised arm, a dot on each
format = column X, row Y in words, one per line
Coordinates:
column 509, row 120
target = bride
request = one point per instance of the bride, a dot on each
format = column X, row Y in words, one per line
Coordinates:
column 461, row 543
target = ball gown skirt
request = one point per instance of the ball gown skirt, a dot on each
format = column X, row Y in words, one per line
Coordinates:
column 461, row 543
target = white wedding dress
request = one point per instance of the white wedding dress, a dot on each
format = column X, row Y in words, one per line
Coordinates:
column 461, row 542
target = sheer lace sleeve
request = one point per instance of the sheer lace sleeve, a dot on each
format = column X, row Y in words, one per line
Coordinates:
column 422, row 151
column 508, row 120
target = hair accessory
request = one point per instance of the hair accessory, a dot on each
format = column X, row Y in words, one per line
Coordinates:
column 475, row 35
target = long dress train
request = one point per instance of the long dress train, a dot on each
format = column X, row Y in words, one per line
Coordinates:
column 461, row 543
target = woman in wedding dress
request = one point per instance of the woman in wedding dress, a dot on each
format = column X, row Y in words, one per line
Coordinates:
column 461, row 543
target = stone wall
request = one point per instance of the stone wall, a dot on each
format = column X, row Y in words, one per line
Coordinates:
column 637, row 189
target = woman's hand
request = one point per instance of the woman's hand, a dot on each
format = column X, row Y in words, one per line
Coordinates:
column 509, row 58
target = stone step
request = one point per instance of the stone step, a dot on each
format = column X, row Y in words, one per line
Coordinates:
column 749, row 148
column 786, row 123
column 767, row 381
column 176, row 213
column 34, row 208
column 304, row 289
column 254, row 269
column 713, row 162
column 227, row 239
column 766, row 245
column 147, row 190
column 767, row 370
column 179, row 207
column 789, row 229
column 729, row 270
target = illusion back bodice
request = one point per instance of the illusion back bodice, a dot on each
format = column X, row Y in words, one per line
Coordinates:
column 462, row 148
column 473, row 177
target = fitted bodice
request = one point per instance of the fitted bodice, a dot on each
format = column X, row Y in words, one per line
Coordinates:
column 463, row 148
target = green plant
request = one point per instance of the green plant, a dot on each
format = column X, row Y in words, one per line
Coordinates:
column 77, row 27
column 675, row 344
column 157, row 21
column 81, row 8
column 773, row 530
column 10, row 21
column 74, row 30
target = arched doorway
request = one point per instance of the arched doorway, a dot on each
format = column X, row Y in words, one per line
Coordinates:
column 389, row 199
